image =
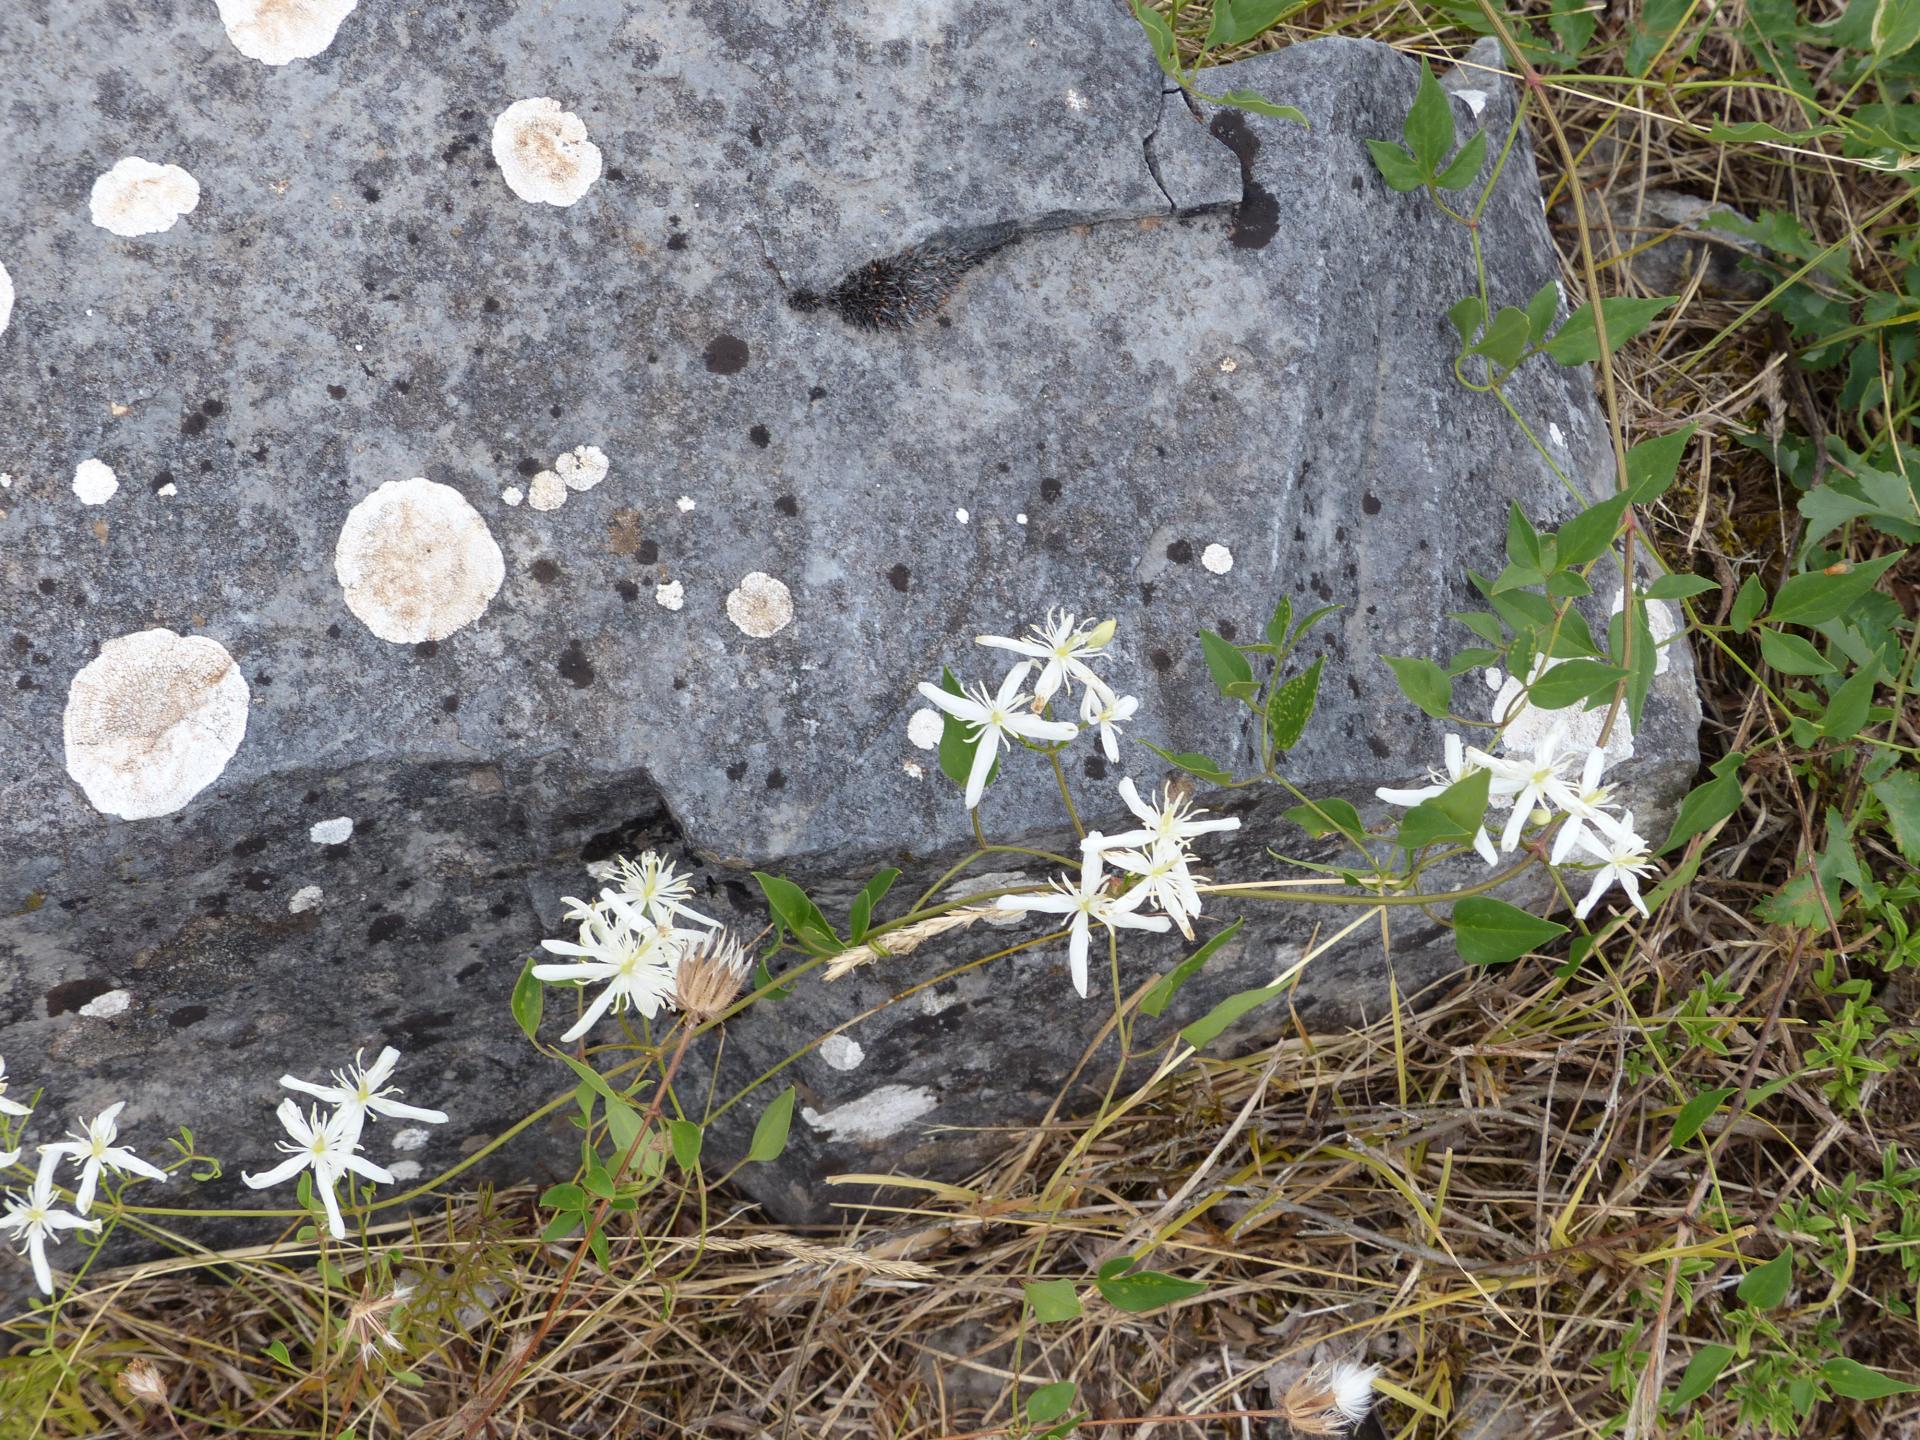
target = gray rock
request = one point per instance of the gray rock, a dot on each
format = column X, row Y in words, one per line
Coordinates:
column 358, row 298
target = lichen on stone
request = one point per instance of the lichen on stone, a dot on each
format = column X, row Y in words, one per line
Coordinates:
column 417, row 562
column 138, row 197
column 544, row 153
column 278, row 32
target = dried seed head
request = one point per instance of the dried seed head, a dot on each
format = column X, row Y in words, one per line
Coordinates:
column 908, row 938
column 367, row 1325
column 144, row 1382
column 1329, row 1399
column 709, row 976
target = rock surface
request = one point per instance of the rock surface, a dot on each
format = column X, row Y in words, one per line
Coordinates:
column 1182, row 331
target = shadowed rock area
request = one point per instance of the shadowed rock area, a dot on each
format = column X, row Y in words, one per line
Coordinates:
column 1139, row 331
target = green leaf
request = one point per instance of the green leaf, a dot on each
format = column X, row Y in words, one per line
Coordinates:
column 1809, row 599
column 1428, row 129
column 1576, row 342
column 1424, row 683
column 1164, row 989
column 1466, row 316
column 623, row 1126
column 1896, row 26
column 1464, row 169
column 562, row 1225
column 1506, row 338
column 860, row 915
column 1143, row 1290
column 1709, row 803
column 1702, row 1370
column 1313, row 618
column 529, row 1000
column 957, row 745
column 1427, row 824
column 1574, row 682
column 1253, row 102
column 801, row 916
column 1746, row 604
column 1696, row 1112
column 687, row 1138
column 1792, row 655
column 1290, row 706
column 1573, row 23
column 1541, row 310
column 591, row 1078
column 1049, row 1401
column 1329, row 817
column 563, row 1197
column 277, row 1349
column 1851, row 704
column 1652, row 464
column 1766, row 1285
column 1053, row 1301
column 1399, row 169
column 1589, row 535
column 1679, row 586
column 1237, row 21
column 1204, row 1031
column 1159, row 36
column 1277, row 625
column 1885, row 498
column 770, row 1132
column 1900, row 794
column 1492, row 932
column 1857, row 1382
column 1225, row 662
column 1193, row 763
column 1465, row 800
column 596, row 1181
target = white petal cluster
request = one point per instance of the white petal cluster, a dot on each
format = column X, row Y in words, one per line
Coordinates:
column 96, row 1146
column 1153, row 887
column 1539, row 790
column 34, row 1220
column 329, row 1145
column 633, row 940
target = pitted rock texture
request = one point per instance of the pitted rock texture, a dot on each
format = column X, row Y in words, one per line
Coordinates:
column 1194, row 329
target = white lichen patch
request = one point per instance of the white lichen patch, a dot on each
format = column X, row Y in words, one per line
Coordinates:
column 1217, row 558
column 761, row 606
column 543, row 152
column 417, row 562
column 307, row 897
column 546, row 491
column 683, row 504
column 94, row 482
column 1555, row 434
column 278, row 32
column 878, row 1115
column 411, row 1138
column 138, row 197
column 405, row 1170
column 168, row 491
column 913, row 770
column 670, row 596
column 105, row 1007
column 152, row 720
column 1662, row 622
column 925, row 727
column 6, row 299
column 336, row 831
column 841, row 1052
column 961, row 515
column 513, row 495
column 582, row 467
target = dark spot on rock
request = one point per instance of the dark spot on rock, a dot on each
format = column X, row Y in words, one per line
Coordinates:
column 49, row 586
column 786, row 505
column 161, row 481
column 627, row 590
column 1049, row 489
column 616, row 174
column 451, row 704
column 252, row 845
column 1096, row 767
column 1180, row 552
column 334, row 630
column 215, row 905
column 776, row 779
column 384, row 928
column 338, row 392
column 677, row 241
column 739, row 896
column 727, row 355
column 261, row 677
column 529, row 466
column 192, row 423
column 403, row 386
column 212, row 407
column 467, row 972
column 1379, row 747
column 760, row 435
column 70, row 996
column 369, row 194
column 753, row 135
column 427, row 649
column 1160, row 659
column 258, row 880
column 1370, row 503
column 1256, row 219
column 186, row 1015
column 25, row 682
column 415, row 1029
column 898, row 577
column 818, row 392
column 647, row 552
column 1146, row 593
column 554, row 411
column 1225, row 627
column 575, row 667
column 501, row 908
column 737, row 770
column 544, row 570
column 312, row 797
column 1339, row 534
column 490, row 305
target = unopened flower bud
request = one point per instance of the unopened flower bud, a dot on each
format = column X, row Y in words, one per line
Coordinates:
column 1101, row 635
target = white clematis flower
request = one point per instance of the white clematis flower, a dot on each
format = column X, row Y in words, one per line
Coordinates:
column 1174, row 820
column 1087, row 902
column 1165, row 881
column 356, row 1091
column 1624, row 858
column 1458, row 768
column 995, row 721
column 1108, row 712
column 34, row 1221
column 96, row 1148
column 1063, row 648
column 1583, row 805
column 619, row 947
column 10, row 1107
column 1526, row 779
column 326, row 1147
column 654, row 887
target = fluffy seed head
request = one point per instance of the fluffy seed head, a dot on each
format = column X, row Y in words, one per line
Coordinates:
column 709, row 976
column 144, row 1382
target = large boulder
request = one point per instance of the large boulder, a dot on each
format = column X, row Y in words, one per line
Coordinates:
column 1131, row 329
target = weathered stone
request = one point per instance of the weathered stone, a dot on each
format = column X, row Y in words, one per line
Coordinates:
column 358, row 298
